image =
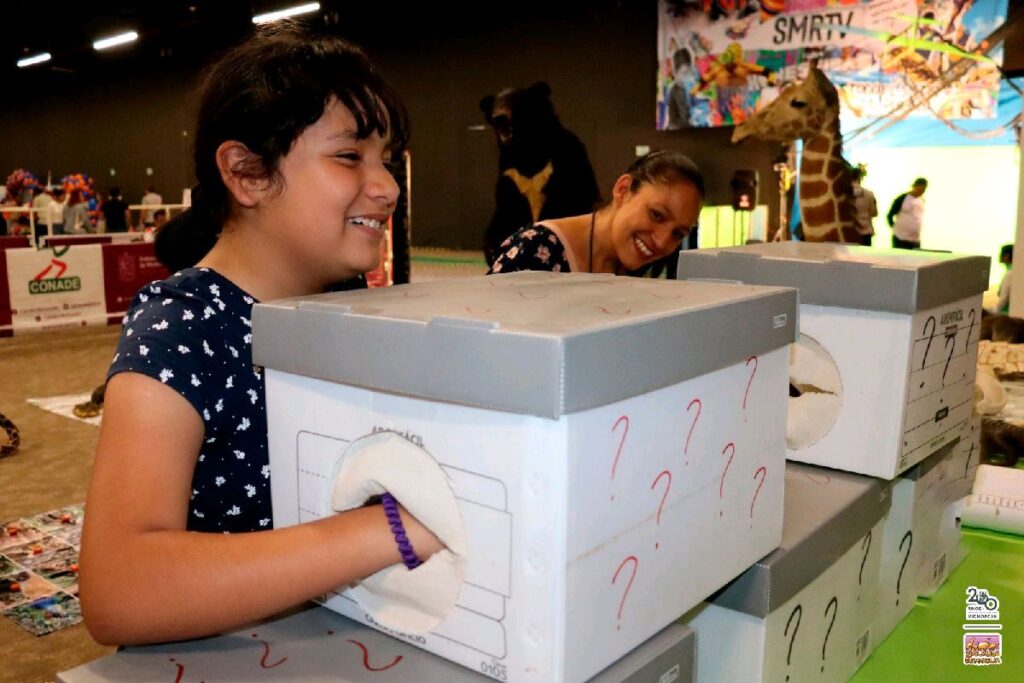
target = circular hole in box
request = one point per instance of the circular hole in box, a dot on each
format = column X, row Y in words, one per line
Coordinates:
column 815, row 393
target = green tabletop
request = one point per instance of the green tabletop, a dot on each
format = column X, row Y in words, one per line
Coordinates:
column 928, row 644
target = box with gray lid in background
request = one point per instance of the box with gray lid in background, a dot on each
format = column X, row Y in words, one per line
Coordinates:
column 595, row 430
column 920, row 541
column 884, row 369
column 806, row 609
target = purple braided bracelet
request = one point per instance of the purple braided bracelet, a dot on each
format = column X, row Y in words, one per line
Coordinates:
column 398, row 529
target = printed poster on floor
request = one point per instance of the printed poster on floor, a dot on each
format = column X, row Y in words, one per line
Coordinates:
column 721, row 60
column 57, row 287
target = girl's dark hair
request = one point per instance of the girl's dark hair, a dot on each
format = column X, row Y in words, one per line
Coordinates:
column 265, row 93
column 665, row 166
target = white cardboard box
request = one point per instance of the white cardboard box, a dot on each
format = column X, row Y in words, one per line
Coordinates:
column 964, row 461
column 893, row 338
column 912, row 544
column 804, row 611
column 320, row 646
column 945, row 505
column 997, row 500
column 616, row 445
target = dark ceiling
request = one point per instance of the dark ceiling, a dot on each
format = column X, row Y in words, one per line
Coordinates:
column 178, row 34
column 169, row 31
column 185, row 33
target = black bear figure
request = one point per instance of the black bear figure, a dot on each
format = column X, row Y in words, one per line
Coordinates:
column 544, row 171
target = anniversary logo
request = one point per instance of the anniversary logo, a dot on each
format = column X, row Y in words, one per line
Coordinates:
column 982, row 649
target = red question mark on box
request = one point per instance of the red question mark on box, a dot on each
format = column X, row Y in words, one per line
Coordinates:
column 624, row 419
column 700, row 406
column 731, row 447
column 749, row 382
column 625, row 593
column 764, row 473
column 668, row 487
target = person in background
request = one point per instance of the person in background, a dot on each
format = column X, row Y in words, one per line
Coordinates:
column 865, row 207
column 41, row 201
column 115, row 212
column 41, row 198
column 679, row 94
column 906, row 216
column 56, row 213
column 151, row 198
column 654, row 205
column 7, row 217
column 159, row 219
column 1006, row 258
column 76, row 214
column 22, row 225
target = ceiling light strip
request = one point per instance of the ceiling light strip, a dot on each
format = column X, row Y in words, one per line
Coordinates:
column 34, row 59
column 285, row 13
column 113, row 41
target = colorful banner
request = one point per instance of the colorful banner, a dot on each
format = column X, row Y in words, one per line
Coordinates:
column 126, row 269
column 55, row 287
column 72, row 286
column 719, row 60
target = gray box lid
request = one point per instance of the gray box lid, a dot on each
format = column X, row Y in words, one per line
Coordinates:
column 827, row 274
column 931, row 462
column 539, row 343
column 826, row 513
column 321, row 646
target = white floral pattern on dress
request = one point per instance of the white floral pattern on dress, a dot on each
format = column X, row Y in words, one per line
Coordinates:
column 532, row 248
column 169, row 322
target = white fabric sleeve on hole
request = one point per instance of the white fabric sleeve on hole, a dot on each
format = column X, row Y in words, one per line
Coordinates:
column 413, row 601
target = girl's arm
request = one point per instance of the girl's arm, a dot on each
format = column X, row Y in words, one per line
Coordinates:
column 145, row 579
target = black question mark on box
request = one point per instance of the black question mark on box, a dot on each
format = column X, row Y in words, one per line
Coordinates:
column 797, row 612
column 835, row 613
column 866, row 547
column 909, row 536
column 931, row 336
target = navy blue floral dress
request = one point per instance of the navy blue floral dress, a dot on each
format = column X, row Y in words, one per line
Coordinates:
column 193, row 332
column 531, row 248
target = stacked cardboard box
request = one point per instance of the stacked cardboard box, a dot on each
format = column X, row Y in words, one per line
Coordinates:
column 883, row 379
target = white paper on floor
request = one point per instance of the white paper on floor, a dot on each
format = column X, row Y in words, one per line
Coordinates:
column 64, row 405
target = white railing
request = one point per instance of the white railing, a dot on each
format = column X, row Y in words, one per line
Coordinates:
column 134, row 229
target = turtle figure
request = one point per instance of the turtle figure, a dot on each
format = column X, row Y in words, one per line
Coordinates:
column 94, row 406
column 10, row 437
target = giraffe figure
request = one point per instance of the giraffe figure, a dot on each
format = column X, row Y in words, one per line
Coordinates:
column 809, row 110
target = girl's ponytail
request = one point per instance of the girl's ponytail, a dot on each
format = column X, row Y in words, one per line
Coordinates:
column 185, row 239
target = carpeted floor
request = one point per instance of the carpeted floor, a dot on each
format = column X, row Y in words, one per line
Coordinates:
column 50, row 470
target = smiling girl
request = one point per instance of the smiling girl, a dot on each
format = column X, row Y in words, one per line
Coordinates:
column 654, row 205
column 293, row 140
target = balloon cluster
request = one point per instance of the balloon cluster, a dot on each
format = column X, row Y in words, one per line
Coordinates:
column 87, row 186
column 19, row 182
